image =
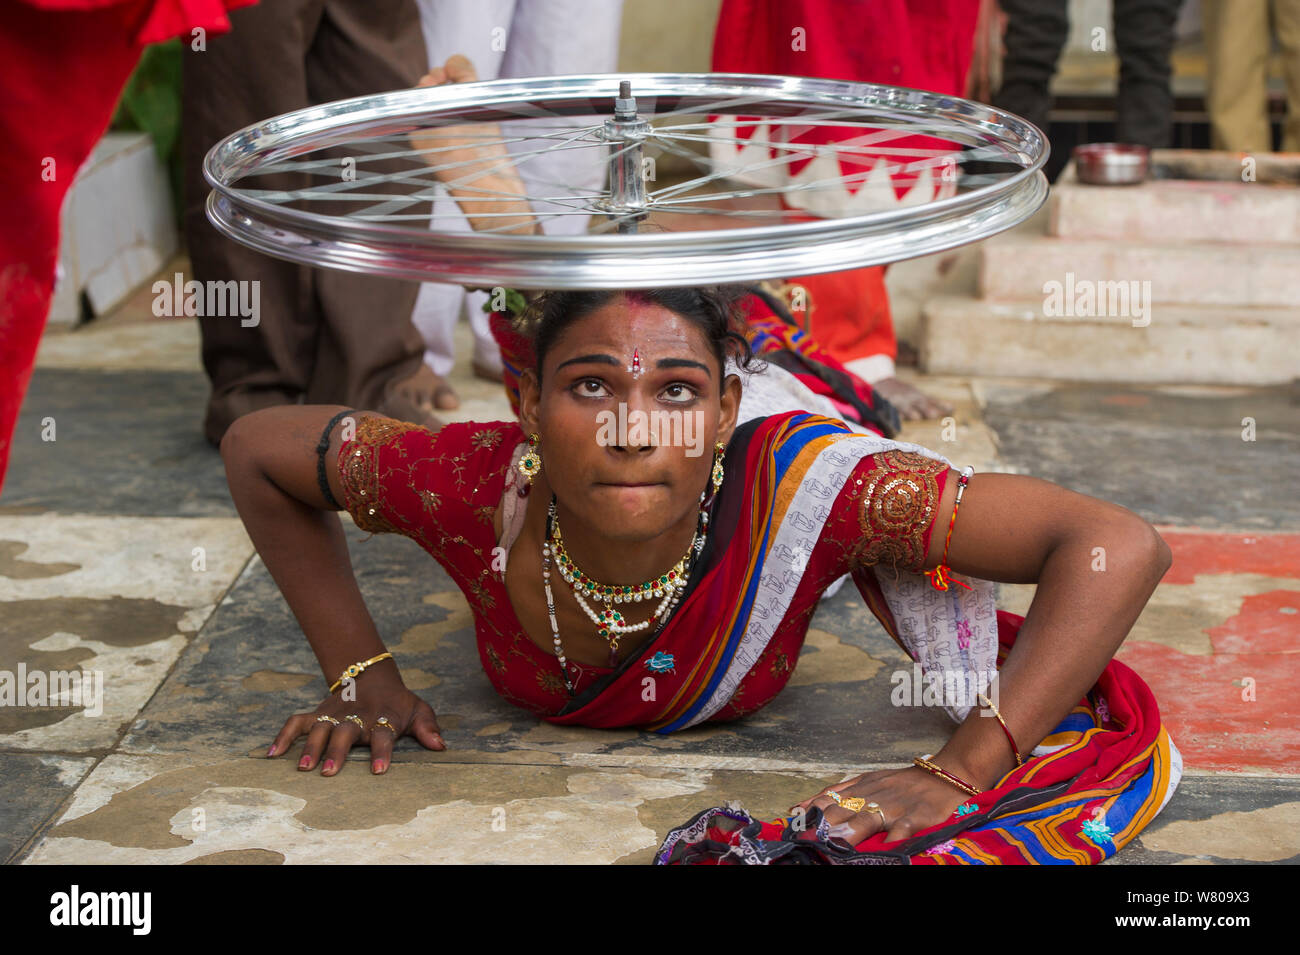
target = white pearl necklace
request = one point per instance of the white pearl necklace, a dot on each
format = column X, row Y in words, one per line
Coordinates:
column 662, row 613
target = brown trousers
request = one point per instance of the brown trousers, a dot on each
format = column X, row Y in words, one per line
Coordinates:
column 324, row 336
column 1237, row 46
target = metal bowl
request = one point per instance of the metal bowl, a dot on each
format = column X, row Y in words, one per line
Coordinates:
column 1111, row 164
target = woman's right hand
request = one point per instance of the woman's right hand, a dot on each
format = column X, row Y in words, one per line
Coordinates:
column 406, row 712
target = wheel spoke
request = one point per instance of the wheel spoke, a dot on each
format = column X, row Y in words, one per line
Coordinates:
column 734, row 152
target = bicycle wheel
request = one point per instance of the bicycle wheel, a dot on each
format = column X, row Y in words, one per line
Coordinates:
column 703, row 178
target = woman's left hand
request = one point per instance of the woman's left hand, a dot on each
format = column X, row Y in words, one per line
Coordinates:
column 911, row 800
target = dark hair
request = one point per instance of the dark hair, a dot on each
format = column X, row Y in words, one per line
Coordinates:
column 713, row 309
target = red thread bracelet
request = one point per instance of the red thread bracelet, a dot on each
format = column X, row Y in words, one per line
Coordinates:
column 939, row 576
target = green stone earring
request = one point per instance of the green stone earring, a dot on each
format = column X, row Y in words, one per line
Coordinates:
column 530, row 465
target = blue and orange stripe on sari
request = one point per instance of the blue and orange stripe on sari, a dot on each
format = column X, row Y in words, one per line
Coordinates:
column 1113, row 768
column 719, row 627
column 785, row 455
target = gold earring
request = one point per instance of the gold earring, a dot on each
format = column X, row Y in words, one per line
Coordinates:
column 718, row 449
column 530, row 465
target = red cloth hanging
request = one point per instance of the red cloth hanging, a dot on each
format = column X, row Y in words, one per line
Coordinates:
column 63, row 64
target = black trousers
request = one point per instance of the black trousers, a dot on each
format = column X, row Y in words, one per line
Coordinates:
column 1143, row 38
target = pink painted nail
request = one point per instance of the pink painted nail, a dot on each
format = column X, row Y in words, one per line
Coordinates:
column 304, row 762
column 329, row 764
column 377, row 766
column 271, row 751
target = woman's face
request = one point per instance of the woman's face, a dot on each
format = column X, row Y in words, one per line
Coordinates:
column 626, row 453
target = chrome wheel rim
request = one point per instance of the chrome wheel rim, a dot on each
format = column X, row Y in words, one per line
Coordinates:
column 400, row 244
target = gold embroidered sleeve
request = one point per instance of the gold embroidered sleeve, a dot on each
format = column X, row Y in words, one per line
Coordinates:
column 897, row 508
column 368, row 463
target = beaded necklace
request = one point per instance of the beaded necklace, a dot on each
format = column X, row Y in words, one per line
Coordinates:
column 610, row 624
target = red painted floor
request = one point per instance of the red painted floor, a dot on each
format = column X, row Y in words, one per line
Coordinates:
column 1236, row 709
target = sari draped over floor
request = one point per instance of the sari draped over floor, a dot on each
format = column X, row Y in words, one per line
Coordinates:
column 805, row 499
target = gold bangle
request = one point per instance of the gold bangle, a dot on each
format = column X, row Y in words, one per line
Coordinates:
column 1015, row 750
column 357, row 669
column 923, row 762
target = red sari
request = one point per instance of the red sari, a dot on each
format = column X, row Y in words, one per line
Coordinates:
column 1088, row 788
column 441, row 489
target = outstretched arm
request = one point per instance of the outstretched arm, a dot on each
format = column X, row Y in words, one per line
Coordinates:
column 1017, row 529
column 271, row 466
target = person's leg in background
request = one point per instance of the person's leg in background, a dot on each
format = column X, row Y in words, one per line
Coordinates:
column 1036, row 32
column 554, row 38
column 1144, row 39
column 507, row 39
column 61, row 73
column 558, row 38
column 255, row 72
column 479, row 31
column 370, row 355
column 1286, row 24
column 1236, row 54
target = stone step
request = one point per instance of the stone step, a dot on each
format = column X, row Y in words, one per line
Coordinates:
column 1027, row 268
column 1164, row 211
column 963, row 335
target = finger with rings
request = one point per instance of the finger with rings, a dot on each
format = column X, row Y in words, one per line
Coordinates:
column 384, row 722
column 852, row 804
column 327, row 719
column 356, row 719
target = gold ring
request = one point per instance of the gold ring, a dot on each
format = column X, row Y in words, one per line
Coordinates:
column 327, row 719
column 356, row 719
column 852, row 804
column 383, row 721
column 875, row 807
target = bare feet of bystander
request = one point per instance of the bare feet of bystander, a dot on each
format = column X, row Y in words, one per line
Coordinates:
column 912, row 405
column 418, row 396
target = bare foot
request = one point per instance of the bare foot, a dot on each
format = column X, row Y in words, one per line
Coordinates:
column 912, row 405
column 474, row 154
column 426, row 390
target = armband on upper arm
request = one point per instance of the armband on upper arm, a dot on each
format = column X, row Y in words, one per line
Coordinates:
column 322, row 448
column 897, row 507
column 360, row 472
